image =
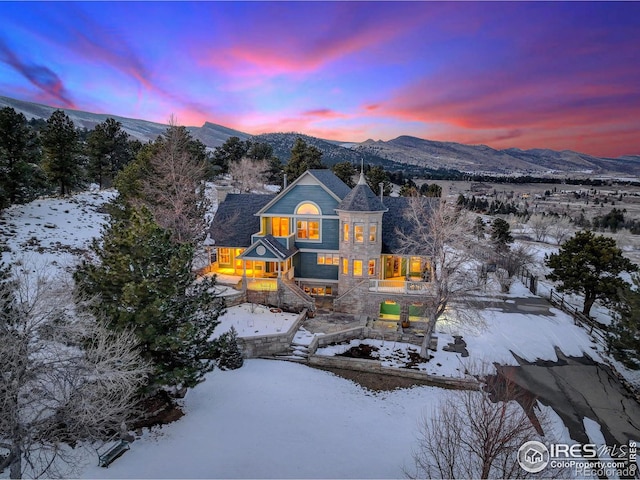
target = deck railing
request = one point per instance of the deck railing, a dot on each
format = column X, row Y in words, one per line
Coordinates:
column 409, row 287
column 262, row 284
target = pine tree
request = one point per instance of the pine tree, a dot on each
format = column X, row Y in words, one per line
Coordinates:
column 19, row 159
column 61, row 146
column 109, row 151
column 501, row 234
column 590, row 265
column 478, row 228
column 303, row 157
column 228, row 352
column 145, row 282
column 375, row 176
column 230, row 151
column 345, row 171
column 624, row 334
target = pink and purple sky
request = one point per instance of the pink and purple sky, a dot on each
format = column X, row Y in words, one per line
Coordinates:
column 509, row 74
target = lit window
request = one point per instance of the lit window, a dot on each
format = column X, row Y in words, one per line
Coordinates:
column 372, row 267
column 358, row 233
column 372, row 232
column 279, row 227
column 345, row 266
column 328, row 259
column 307, row 209
column 308, row 230
column 345, row 232
column 415, row 264
column 224, row 256
column 357, row 268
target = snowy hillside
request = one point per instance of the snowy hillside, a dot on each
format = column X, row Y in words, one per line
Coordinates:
column 210, row 134
column 52, row 234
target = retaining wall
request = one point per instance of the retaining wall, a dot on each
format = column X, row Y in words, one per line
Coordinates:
column 375, row 366
column 267, row 345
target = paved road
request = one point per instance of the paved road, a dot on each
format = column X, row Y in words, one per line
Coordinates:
column 578, row 387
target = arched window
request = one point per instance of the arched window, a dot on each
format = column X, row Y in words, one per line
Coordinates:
column 307, row 209
column 307, row 228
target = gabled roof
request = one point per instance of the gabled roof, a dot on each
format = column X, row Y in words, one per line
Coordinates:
column 396, row 218
column 235, row 220
column 331, row 181
column 361, row 199
column 327, row 180
column 273, row 249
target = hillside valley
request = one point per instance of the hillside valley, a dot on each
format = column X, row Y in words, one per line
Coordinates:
column 404, row 152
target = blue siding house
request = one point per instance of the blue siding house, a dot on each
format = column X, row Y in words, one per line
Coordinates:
column 321, row 239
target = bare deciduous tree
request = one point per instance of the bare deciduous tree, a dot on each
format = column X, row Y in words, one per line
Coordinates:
column 65, row 378
column 472, row 434
column 561, row 229
column 540, row 225
column 510, row 262
column 248, row 174
column 174, row 189
column 443, row 233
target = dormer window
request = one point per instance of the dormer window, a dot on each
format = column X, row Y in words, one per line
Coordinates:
column 307, row 228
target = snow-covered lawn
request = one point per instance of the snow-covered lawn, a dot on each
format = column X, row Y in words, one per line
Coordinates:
column 251, row 320
column 273, row 419
column 530, row 336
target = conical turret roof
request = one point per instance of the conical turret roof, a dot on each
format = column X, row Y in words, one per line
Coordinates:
column 361, row 199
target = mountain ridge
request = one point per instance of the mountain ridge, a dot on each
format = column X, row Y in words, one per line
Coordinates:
column 400, row 152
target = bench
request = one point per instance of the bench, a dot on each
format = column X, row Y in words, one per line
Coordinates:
column 109, row 452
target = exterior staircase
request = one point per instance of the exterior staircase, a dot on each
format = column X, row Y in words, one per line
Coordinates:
column 297, row 353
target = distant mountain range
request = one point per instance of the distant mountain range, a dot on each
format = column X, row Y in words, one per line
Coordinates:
column 402, row 152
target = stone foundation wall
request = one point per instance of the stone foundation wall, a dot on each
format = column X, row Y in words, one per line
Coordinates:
column 235, row 299
column 267, row 345
column 362, row 333
column 284, row 298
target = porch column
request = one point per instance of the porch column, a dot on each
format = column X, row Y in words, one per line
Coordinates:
column 244, row 276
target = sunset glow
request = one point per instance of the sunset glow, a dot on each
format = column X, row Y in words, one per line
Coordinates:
column 509, row 74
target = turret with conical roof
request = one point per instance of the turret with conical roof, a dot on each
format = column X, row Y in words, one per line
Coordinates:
column 360, row 214
column 361, row 199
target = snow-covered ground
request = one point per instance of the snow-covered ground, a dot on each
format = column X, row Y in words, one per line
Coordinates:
column 274, row 419
column 250, row 320
column 49, row 236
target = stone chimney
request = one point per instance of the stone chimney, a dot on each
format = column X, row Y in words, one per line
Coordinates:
column 222, row 191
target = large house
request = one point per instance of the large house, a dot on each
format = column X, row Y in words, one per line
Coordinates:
column 319, row 241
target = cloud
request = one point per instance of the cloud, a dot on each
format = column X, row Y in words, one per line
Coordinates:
column 306, row 37
column 40, row 76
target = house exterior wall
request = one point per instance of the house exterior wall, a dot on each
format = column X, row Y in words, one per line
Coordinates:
column 351, row 250
column 328, row 237
column 306, row 266
column 287, row 204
